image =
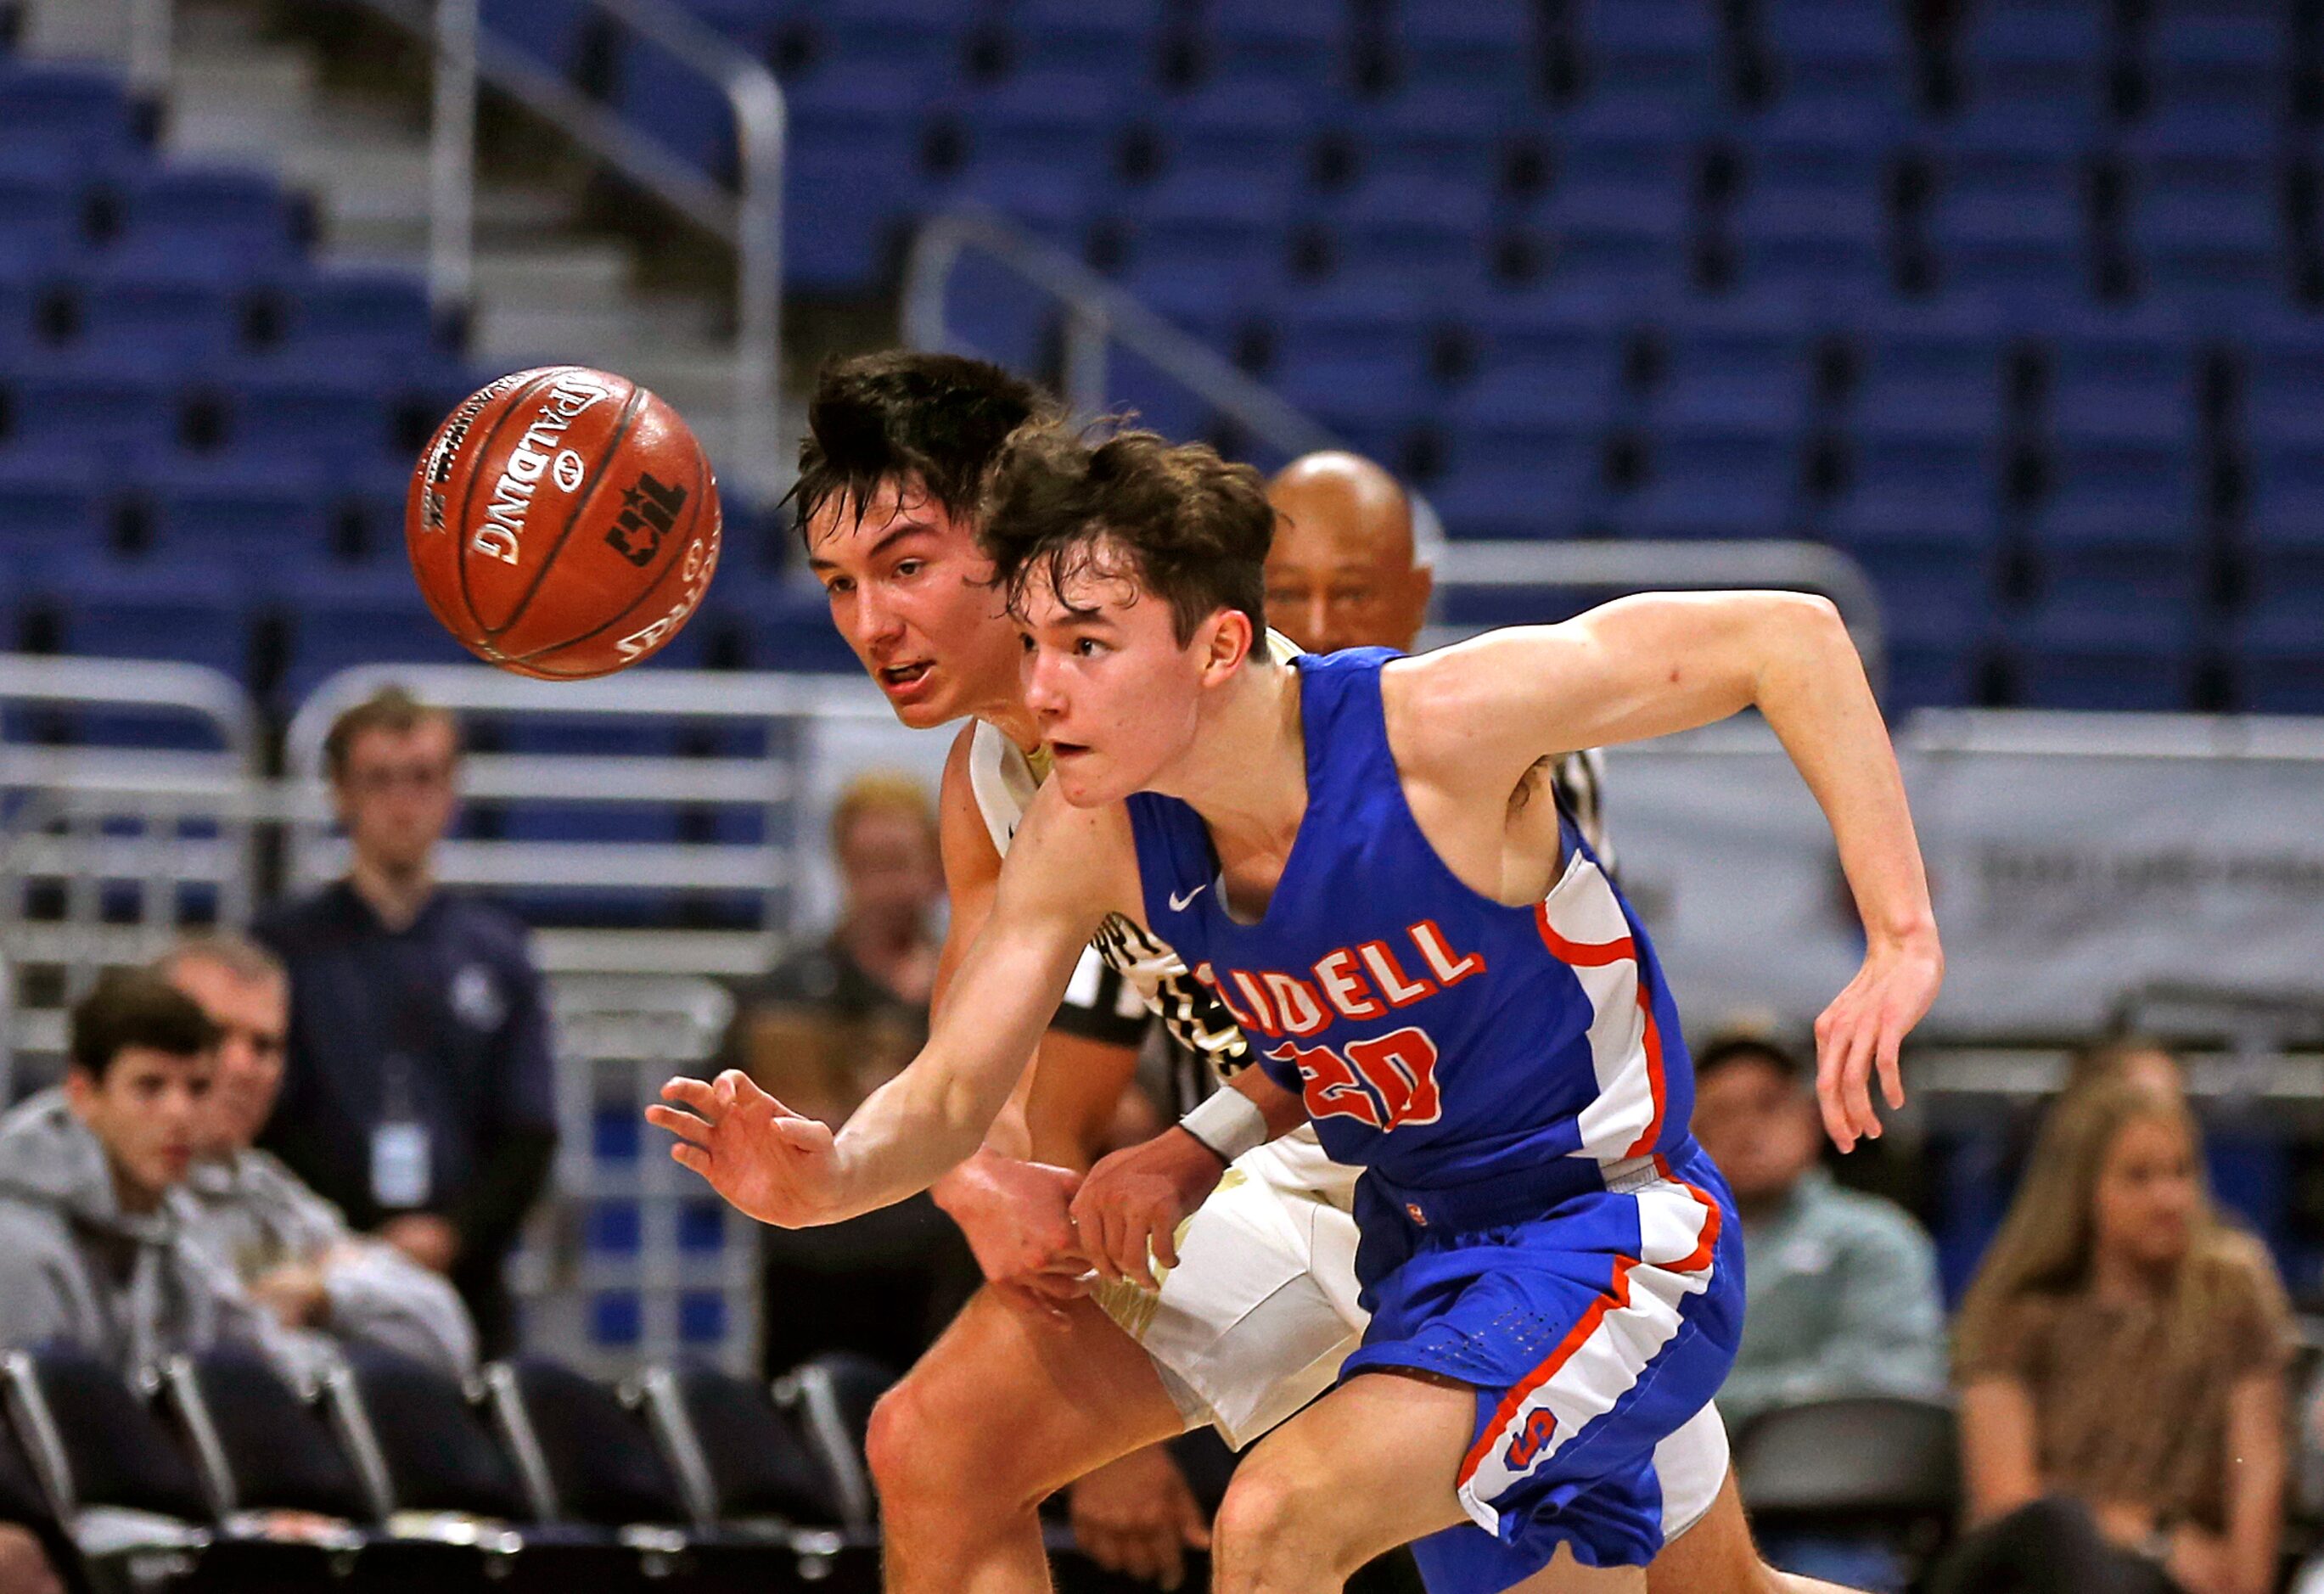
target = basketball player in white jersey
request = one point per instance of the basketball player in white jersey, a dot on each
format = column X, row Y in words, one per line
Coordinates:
column 1019, row 1399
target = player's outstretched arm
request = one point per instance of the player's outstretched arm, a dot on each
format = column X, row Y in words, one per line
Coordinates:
column 1649, row 666
column 1068, row 871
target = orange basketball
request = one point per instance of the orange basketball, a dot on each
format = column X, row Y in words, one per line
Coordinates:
column 563, row 522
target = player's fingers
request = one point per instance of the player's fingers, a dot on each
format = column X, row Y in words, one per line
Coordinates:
column 1098, row 1239
column 692, row 1092
column 1164, row 1238
column 1835, row 1121
column 1892, row 1075
column 693, row 1156
column 1197, row 1531
column 1855, row 1076
column 684, row 1125
column 1169, row 1559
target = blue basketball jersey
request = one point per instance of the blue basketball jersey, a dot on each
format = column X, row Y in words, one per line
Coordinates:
column 1439, row 1037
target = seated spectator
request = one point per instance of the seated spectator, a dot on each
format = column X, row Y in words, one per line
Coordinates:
column 2121, row 1358
column 292, row 1250
column 822, row 1030
column 23, row 1566
column 1843, row 1296
column 418, row 1095
column 93, row 1250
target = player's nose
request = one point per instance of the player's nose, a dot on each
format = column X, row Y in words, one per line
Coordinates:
column 1043, row 695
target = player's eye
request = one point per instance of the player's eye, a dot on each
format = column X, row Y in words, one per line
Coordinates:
column 1089, row 647
column 838, row 585
column 1026, row 638
column 910, row 566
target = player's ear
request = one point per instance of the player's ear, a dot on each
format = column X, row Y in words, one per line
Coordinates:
column 1226, row 639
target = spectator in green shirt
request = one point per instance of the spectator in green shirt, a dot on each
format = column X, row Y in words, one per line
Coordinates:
column 1842, row 1296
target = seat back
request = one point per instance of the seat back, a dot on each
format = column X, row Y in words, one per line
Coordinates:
column 586, row 1456
column 264, row 1448
column 832, row 1397
column 437, row 1452
column 94, row 1442
column 734, row 1452
column 1875, row 1458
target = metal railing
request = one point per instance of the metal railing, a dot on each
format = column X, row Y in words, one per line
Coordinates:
column 749, row 219
column 1097, row 314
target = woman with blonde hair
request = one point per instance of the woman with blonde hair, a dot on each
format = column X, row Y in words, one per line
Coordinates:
column 2120, row 1359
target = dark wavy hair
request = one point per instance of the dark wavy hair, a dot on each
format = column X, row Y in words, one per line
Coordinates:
column 1191, row 527
column 137, row 1008
column 939, row 420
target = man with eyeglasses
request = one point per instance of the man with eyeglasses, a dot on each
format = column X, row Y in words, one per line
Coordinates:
column 418, row 1095
column 292, row 1250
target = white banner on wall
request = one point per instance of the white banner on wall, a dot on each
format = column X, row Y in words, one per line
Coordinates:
column 2072, row 860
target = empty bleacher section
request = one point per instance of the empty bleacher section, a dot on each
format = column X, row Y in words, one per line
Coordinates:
column 2014, row 309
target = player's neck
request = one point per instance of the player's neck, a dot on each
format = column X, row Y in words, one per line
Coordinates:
column 1246, row 769
column 1013, row 720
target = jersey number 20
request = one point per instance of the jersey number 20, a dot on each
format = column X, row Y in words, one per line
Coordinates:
column 1384, row 1081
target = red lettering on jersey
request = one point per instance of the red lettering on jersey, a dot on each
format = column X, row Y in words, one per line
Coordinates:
column 1402, row 1067
column 1344, row 985
column 1388, row 975
column 1208, row 976
column 1540, row 1428
column 1326, row 1086
column 1450, row 969
column 1296, row 1000
column 1262, row 1016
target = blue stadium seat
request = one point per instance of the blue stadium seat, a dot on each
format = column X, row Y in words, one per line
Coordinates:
column 1401, row 226
column 356, row 314
column 1277, row 42
column 112, row 406
column 1934, row 572
column 1049, row 198
column 2117, row 642
column 179, row 317
column 1916, row 491
column 247, row 513
column 1717, row 484
column 676, row 106
column 1517, row 485
column 41, row 216
column 1540, row 390
column 1611, row 234
column 2286, row 515
column 1048, row 116
column 1835, row 51
column 1229, row 127
column 2019, row 243
column 995, row 314
column 54, row 508
column 2280, row 643
column 1463, row 46
column 1930, row 373
column 1550, row 323
column 1119, row 38
column 344, row 417
column 2122, row 506
column 2283, row 389
column 1368, row 388
column 2122, row 378
column 1809, row 235
column 193, row 609
column 226, row 215
column 1451, row 132
column 2215, row 249
column 2232, row 60
column 1656, row 55
column 343, row 616
column 2036, row 52
column 80, row 109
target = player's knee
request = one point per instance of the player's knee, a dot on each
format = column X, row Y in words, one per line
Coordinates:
column 1274, row 1519
column 930, row 1449
column 897, row 1444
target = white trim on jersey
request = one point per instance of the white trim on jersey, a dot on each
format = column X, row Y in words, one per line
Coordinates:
column 1582, row 924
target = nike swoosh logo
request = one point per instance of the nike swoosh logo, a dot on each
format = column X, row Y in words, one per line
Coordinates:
column 1178, row 904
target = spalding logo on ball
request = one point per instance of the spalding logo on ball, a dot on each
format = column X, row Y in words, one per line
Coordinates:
column 563, row 523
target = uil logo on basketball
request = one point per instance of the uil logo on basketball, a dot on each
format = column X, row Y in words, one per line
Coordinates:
column 649, row 512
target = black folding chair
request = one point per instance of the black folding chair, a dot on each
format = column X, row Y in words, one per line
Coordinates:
column 831, row 1398
column 1885, row 1467
column 736, row 1456
column 110, row 1474
column 23, row 1503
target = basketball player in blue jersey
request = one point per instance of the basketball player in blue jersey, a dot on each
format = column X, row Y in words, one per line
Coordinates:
column 1390, row 986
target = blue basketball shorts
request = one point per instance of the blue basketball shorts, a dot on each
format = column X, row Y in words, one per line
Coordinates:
column 1595, row 1335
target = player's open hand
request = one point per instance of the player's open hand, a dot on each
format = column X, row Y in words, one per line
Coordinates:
column 1017, row 1217
column 1131, row 1204
column 1860, row 1033
column 770, row 1162
column 1136, row 1516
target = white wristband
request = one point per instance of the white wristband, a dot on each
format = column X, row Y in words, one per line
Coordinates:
column 1228, row 1123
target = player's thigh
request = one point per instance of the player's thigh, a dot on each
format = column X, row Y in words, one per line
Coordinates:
column 1715, row 1557
column 1373, row 1465
column 1017, row 1398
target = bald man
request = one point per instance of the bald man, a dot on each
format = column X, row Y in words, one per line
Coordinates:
column 1347, row 571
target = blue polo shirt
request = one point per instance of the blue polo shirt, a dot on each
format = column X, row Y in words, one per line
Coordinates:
column 454, row 1006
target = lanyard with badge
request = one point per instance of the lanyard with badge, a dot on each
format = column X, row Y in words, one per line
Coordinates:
column 401, row 1174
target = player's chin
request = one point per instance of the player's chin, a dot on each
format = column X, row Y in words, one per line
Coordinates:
column 1086, row 777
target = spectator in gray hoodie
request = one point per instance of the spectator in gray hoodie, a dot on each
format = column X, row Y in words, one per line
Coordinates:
column 93, row 1250
column 292, row 1250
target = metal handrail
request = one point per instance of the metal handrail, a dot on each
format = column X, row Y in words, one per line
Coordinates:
column 751, row 219
column 1096, row 313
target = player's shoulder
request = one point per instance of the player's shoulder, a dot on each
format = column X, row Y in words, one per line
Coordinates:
column 987, row 785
